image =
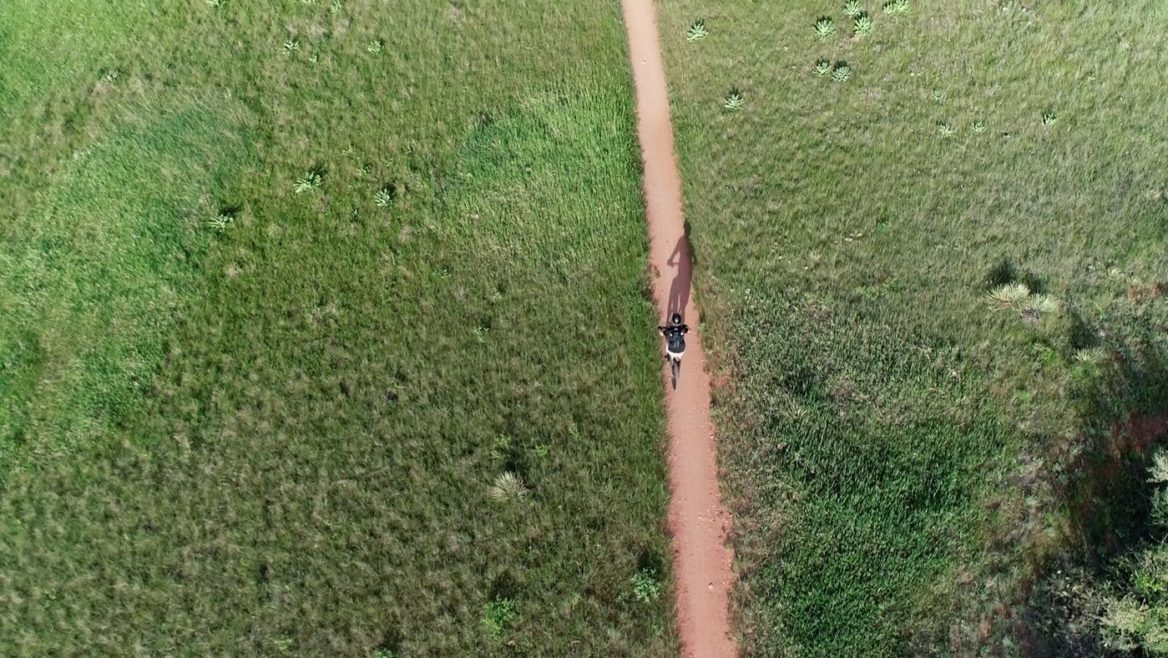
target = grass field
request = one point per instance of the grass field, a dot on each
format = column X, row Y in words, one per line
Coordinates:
column 903, row 452
column 288, row 289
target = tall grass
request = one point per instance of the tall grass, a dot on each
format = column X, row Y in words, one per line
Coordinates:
column 307, row 405
column 896, row 448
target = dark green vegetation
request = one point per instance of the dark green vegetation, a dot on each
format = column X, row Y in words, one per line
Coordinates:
column 288, row 289
column 932, row 248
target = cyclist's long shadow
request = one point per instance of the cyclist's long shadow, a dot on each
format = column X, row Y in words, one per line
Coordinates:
column 682, row 259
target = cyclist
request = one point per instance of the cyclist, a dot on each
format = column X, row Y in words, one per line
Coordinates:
column 674, row 334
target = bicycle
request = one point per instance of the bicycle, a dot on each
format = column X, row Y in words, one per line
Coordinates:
column 674, row 334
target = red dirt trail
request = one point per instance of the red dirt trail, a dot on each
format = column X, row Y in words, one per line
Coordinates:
column 698, row 522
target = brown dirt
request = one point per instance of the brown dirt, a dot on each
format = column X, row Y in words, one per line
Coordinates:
column 698, row 522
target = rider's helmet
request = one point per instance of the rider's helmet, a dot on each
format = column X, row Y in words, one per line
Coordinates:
column 676, row 319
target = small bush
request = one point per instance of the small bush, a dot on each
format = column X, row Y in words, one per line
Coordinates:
column 824, row 28
column 841, row 73
column 646, row 586
column 852, row 8
column 822, row 67
column 498, row 615
column 732, row 100
column 862, row 25
column 697, row 31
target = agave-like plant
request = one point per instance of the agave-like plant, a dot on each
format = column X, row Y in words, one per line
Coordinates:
column 895, row 7
column 852, row 8
column 336, row 7
column 732, row 100
column 822, row 67
column 384, row 197
column 824, row 27
column 697, row 31
column 508, row 486
column 308, row 182
column 862, row 25
column 1048, row 118
column 1007, row 296
column 946, row 129
column 979, row 127
column 841, row 72
column 375, row 46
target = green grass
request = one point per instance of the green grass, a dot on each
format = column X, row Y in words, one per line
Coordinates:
column 278, row 434
column 96, row 273
column 895, row 447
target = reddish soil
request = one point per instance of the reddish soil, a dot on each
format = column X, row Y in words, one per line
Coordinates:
column 698, row 522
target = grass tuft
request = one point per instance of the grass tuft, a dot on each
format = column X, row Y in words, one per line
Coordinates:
column 508, row 487
column 1008, row 296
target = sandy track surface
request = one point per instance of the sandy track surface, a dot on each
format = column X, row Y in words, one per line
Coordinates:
column 698, row 522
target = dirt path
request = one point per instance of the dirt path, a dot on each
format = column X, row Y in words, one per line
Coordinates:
column 697, row 520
